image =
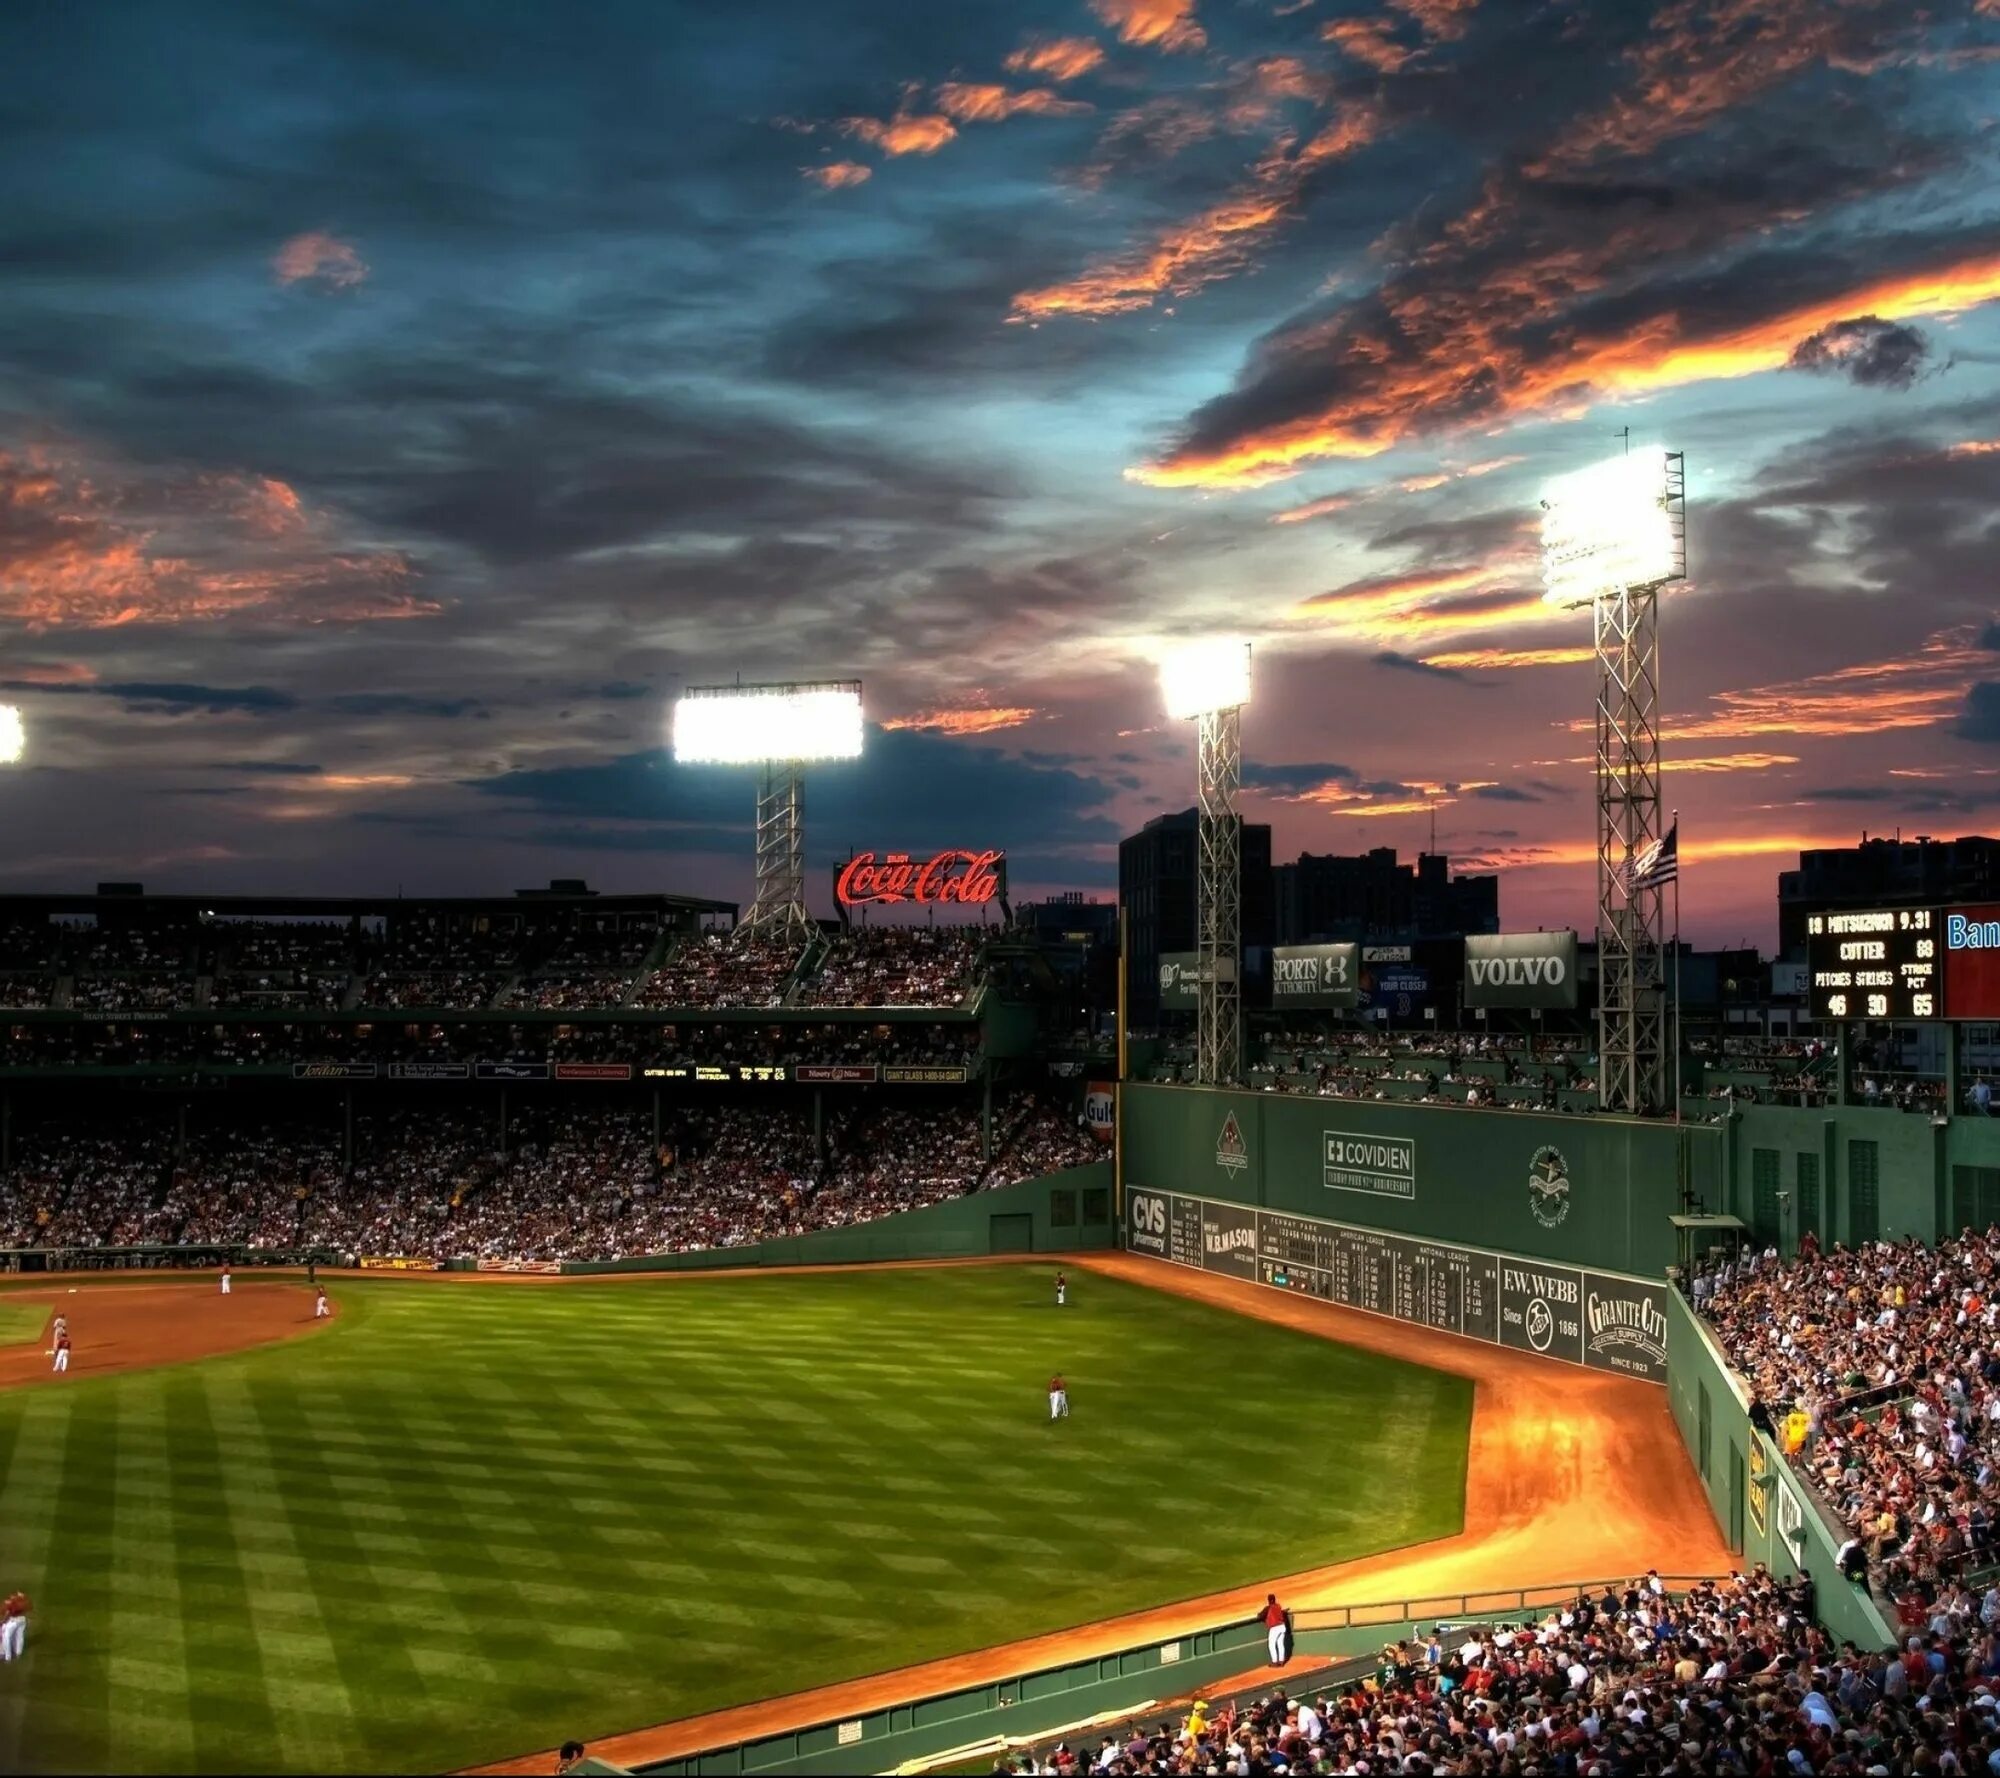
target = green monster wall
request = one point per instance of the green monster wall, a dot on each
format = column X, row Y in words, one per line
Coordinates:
column 1591, row 1191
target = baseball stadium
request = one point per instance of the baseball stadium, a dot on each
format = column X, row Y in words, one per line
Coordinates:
column 1111, row 632
column 643, row 1333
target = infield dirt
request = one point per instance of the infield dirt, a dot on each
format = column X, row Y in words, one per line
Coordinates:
column 129, row 1327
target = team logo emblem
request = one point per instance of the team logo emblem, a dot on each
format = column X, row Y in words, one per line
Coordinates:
column 1232, row 1153
column 1548, row 1187
column 1541, row 1325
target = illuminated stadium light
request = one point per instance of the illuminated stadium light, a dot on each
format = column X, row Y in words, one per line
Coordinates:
column 1200, row 678
column 750, row 724
column 13, row 735
column 1614, row 528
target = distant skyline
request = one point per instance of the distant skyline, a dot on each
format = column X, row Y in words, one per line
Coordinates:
column 398, row 403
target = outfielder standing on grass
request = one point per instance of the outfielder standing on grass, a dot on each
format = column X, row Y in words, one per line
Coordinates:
column 1058, row 1398
column 13, row 1626
column 1062, row 1289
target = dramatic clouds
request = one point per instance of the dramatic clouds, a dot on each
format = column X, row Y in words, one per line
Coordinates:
column 950, row 347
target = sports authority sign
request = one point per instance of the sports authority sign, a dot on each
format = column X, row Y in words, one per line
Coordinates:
column 1603, row 1321
column 955, row 878
column 1521, row 969
column 1385, row 1166
column 1315, row 975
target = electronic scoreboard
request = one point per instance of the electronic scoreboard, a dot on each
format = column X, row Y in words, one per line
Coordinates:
column 1875, row 963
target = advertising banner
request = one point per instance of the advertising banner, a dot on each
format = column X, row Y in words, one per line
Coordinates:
column 1383, row 1165
column 1624, row 1327
column 1099, row 1113
column 510, row 1071
column 1520, row 969
column 1971, row 968
column 429, row 1071
column 836, row 1074
column 369, row 1262
column 1146, row 1214
column 914, row 1076
column 1541, row 1309
column 1229, row 1240
column 333, row 1070
column 952, row 878
column 1180, row 973
column 1598, row 1319
column 711, row 1074
column 546, row 1268
column 1315, row 976
column 593, row 1071
column 1385, row 953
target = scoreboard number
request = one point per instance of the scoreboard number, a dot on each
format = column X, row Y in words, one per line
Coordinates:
column 1874, row 963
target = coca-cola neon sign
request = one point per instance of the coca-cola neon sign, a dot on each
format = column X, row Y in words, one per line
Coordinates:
column 953, row 878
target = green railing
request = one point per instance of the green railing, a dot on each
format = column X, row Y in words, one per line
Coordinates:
column 1028, row 1705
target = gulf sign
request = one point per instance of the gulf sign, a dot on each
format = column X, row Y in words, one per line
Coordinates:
column 953, row 878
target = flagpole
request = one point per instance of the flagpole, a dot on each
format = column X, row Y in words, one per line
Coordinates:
column 1675, row 830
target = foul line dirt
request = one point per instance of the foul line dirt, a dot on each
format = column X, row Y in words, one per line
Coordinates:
column 1571, row 1474
column 135, row 1327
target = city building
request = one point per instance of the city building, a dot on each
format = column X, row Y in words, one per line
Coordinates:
column 1885, row 873
column 1156, row 884
column 1323, row 898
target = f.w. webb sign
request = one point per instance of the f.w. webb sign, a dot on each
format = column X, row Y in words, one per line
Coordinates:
column 1521, row 969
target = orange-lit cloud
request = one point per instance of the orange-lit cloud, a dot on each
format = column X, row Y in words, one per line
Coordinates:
column 905, row 133
column 1442, row 19
column 973, row 103
column 1422, row 484
column 1369, row 42
column 1167, row 24
column 1212, row 245
column 46, row 672
column 94, row 544
column 1056, row 58
column 979, row 721
column 1313, row 509
column 1473, row 659
column 1396, row 590
column 837, row 175
column 1730, row 762
column 1974, row 447
column 1390, row 398
column 316, row 257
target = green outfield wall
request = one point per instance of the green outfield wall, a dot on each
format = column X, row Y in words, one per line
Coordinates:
column 1860, row 1173
column 1766, row 1511
column 1587, row 1191
column 1066, row 1212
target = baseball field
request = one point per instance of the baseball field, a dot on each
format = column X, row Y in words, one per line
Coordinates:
column 461, row 1521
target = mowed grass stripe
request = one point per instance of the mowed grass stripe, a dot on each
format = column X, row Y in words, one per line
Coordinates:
column 466, row 1522
column 148, row 1648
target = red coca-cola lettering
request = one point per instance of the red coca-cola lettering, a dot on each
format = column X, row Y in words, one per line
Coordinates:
column 953, row 878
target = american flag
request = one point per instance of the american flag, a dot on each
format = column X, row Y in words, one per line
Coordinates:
column 1658, row 864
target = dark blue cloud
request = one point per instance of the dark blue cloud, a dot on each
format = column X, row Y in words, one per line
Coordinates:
column 177, row 696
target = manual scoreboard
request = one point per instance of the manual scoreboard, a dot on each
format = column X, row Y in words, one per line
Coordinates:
column 1875, row 963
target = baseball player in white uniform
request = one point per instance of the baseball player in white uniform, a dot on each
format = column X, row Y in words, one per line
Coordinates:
column 320, row 1310
column 225, row 1280
column 1058, row 1398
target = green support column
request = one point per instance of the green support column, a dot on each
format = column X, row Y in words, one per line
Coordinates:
column 986, row 1119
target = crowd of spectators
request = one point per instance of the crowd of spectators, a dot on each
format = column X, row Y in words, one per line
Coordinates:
column 897, row 966
column 1734, row 1677
column 566, row 1180
column 723, row 969
column 1878, row 1370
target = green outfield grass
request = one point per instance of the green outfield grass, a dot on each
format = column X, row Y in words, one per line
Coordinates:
column 465, row 1522
column 21, row 1322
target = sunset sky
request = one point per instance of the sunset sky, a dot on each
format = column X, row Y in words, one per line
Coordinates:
column 397, row 403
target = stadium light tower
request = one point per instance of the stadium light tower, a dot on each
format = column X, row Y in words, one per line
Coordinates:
column 780, row 729
column 1209, row 681
column 1612, row 536
column 13, row 735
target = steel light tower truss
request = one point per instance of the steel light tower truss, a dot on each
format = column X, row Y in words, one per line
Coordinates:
column 1612, row 536
column 778, row 728
column 1219, row 898
column 778, row 905
column 1631, row 992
